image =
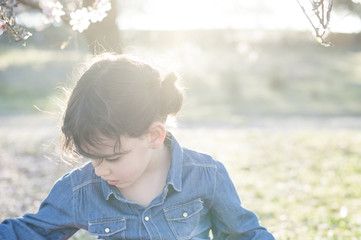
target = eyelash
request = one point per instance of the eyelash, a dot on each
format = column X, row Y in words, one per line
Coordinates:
column 112, row 159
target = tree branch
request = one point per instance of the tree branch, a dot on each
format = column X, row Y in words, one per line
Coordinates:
column 30, row 4
column 322, row 18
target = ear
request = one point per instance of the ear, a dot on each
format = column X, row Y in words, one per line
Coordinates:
column 156, row 134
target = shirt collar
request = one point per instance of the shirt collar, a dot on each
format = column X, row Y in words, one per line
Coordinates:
column 107, row 190
column 174, row 175
column 175, row 172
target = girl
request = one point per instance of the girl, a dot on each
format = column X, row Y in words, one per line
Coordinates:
column 140, row 184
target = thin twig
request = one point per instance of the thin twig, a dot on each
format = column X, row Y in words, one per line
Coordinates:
column 319, row 32
column 328, row 15
column 309, row 19
column 323, row 13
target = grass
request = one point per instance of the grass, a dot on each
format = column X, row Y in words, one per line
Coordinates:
column 303, row 183
column 273, row 73
column 26, row 81
column 300, row 175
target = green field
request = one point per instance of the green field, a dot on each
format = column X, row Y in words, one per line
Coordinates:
column 280, row 111
column 303, row 184
column 233, row 73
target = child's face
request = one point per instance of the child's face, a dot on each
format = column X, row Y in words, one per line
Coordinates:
column 126, row 167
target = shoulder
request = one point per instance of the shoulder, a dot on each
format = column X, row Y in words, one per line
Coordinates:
column 204, row 165
column 194, row 158
column 189, row 157
column 80, row 177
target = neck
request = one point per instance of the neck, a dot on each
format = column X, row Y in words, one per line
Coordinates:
column 153, row 180
column 161, row 159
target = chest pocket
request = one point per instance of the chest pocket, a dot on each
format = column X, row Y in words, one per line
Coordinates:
column 108, row 229
column 184, row 219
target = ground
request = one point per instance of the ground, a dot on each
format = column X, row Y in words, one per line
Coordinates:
column 302, row 180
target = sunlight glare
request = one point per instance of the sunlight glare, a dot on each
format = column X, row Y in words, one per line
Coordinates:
column 210, row 14
column 219, row 14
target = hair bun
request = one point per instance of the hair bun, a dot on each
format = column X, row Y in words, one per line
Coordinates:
column 171, row 95
column 169, row 80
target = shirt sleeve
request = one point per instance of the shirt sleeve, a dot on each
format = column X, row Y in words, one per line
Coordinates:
column 229, row 219
column 54, row 220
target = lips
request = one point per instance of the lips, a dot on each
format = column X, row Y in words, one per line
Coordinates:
column 111, row 182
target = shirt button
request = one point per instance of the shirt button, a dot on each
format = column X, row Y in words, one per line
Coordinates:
column 107, row 230
column 185, row 214
column 146, row 219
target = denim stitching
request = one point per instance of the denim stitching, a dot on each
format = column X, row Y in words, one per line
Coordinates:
column 85, row 183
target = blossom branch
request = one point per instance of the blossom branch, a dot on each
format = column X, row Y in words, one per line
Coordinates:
column 323, row 18
column 79, row 18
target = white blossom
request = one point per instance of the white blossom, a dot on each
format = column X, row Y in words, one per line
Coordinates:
column 53, row 10
column 99, row 10
column 80, row 20
column 2, row 26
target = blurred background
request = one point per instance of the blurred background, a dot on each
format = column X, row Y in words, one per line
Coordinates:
column 280, row 110
column 237, row 60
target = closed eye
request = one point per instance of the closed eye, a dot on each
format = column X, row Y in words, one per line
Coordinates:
column 112, row 159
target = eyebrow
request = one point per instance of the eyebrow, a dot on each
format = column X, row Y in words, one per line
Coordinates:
column 104, row 156
column 113, row 155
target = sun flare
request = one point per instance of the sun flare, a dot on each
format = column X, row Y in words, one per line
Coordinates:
column 218, row 14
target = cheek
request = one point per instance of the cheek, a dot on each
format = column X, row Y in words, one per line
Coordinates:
column 123, row 173
column 127, row 168
column 132, row 167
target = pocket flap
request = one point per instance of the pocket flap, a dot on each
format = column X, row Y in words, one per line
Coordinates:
column 106, row 227
column 184, row 211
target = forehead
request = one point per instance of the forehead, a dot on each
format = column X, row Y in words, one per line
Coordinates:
column 105, row 146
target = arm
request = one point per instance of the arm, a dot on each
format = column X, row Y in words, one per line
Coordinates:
column 54, row 219
column 229, row 219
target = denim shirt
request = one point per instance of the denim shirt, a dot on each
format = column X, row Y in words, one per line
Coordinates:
column 199, row 196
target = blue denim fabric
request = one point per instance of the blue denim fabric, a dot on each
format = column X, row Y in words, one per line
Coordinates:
column 198, row 197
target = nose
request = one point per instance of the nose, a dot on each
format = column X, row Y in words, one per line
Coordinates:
column 101, row 170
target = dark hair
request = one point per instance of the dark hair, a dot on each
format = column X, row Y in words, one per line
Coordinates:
column 117, row 96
